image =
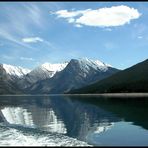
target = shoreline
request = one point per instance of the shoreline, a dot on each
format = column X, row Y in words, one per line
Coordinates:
column 103, row 95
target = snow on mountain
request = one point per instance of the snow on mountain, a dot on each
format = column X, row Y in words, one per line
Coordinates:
column 15, row 71
column 47, row 70
column 42, row 72
column 77, row 73
column 86, row 63
column 53, row 68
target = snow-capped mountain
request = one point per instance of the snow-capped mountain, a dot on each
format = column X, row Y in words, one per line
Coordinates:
column 132, row 79
column 77, row 73
column 59, row 77
column 7, row 85
column 53, row 68
column 15, row 71
column 45, row 71
column 86, row 63
column 50, row 69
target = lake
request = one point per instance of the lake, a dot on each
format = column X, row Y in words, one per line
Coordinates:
column 73, row 121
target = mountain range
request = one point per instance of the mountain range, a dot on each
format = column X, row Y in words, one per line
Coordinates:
column 75, row 76
column 77, row 73
column 42, row 72
column 132, row 79
column 54, row 78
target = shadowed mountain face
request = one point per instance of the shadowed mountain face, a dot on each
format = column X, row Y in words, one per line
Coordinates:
column 133, row 79
column 41, row 72
column 53, row 78
column 78, row 73
column 7, row 85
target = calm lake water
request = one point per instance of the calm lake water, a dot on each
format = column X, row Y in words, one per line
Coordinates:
column 73, row 121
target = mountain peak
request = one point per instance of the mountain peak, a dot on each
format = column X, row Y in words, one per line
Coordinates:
column 85, row 63
column 54, row 67
column 98, row 62
column 78, row 73
column 15, row 70
column 130, row 80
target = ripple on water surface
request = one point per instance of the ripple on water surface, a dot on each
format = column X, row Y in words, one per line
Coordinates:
column 15, row 137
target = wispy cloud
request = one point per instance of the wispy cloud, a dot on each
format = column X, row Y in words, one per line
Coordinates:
column 110, row 45
column 18, row 23
column 140, row 37
column 102, row 17
column 139, row 29
column 19, row 19
column 19, row 27
column 108, row 29
column 78, row 25
column 34, row 15
column 12, row 38
column 32, row 40
column 27, row 59
column 6, row 57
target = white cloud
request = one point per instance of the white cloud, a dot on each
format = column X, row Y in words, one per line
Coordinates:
column 140, row 37
column 102, row 17
column 18, row 23
column 6, row 57
column 32, row 39
column 78, row 25
column 108, row 29
column 71, row 20
column 6, row 35
column 66, row 14
column 27, row 59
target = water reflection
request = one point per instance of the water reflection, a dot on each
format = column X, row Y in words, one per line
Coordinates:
column 33, row 118
column 56, row 114
column 17, row 115
column 77, row 117
column 133, row 110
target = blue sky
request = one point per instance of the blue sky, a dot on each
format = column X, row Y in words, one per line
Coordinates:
column 32, row 33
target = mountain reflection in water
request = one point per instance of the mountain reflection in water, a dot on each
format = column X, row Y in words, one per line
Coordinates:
column 77, row 117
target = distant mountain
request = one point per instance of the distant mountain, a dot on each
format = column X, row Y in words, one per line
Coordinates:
column 76, row 74
column 53, row 68
column 7, row 85
column 15, row 72
column 133, row 79
column 46, row 70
